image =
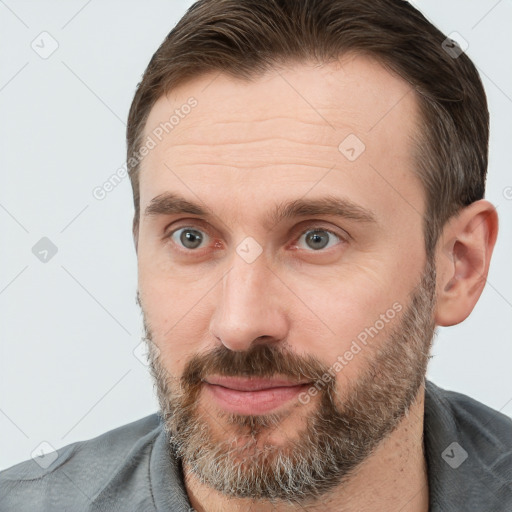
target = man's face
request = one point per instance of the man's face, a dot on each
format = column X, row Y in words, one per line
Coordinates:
column 240, row 291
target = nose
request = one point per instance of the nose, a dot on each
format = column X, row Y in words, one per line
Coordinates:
column 250, row 306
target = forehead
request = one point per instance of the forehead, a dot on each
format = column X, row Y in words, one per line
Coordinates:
column 292, row 125
column 354, row 92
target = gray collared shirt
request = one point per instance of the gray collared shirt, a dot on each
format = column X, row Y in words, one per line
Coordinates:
column 468, row 449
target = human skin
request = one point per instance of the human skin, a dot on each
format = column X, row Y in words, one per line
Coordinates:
column 244, row 148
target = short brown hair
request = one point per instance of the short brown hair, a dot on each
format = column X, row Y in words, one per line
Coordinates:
column 245, row 38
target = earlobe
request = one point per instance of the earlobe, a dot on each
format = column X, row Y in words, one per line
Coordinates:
column 462, row 259
column 135, row 243
column 135, row 232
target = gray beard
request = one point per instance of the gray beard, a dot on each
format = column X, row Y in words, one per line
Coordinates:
column 338, row 435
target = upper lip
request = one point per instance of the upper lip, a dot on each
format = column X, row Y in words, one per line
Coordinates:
column 251, row 384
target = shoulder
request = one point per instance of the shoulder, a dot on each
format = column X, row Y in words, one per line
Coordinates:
column 469, row 452
column 480, row 424
column 78, row 472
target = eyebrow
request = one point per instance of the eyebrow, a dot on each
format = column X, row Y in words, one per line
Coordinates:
column 170, row 203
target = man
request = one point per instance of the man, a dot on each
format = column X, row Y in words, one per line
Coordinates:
column 308, row 181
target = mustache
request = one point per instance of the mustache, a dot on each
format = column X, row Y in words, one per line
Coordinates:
column 262, row 360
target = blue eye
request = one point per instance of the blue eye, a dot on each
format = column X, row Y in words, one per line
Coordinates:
column 319, row 238
column 190, row 238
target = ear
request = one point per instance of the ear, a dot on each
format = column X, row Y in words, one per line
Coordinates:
column 135, row 231
column 462, row 261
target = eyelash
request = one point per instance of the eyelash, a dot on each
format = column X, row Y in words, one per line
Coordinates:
column 312, row 228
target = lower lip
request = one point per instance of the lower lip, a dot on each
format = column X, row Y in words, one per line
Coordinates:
column 253, row 402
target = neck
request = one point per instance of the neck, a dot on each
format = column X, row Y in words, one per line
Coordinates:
column 393, row 477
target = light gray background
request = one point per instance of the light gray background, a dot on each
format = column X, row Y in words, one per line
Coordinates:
column 69, row 326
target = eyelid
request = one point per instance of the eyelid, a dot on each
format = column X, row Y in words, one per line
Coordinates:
column 197, row 224
column 320, row 226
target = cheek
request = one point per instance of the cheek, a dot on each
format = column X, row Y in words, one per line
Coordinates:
column 352, row 319
column 176, row 311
